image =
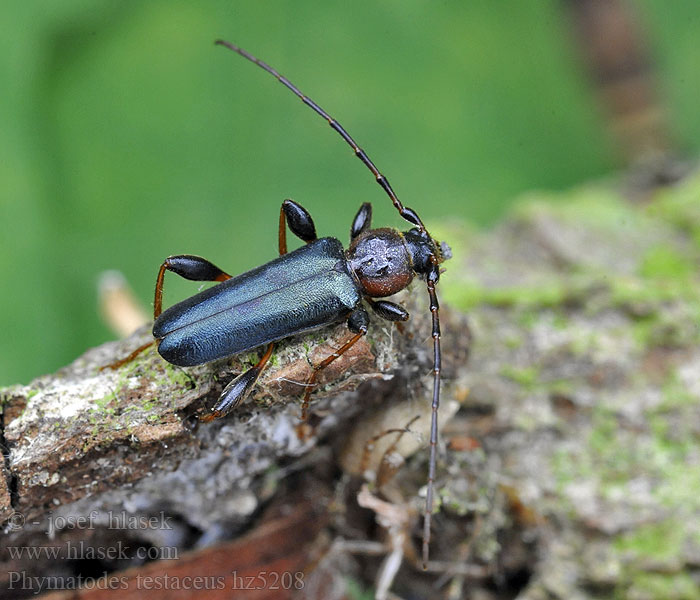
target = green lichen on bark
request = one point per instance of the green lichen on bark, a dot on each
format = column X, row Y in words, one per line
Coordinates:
column 586, row 319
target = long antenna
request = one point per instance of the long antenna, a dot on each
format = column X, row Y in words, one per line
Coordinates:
column 432, row 278
column 407, row 213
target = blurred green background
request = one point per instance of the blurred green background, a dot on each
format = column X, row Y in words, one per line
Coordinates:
column 127, row 136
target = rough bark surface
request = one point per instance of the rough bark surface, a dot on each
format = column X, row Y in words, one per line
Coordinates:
column 569, row 470
column 86, row 430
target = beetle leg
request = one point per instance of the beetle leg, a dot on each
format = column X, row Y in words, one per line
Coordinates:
column 357, row 323
column 389, row 310
column 234, row 393
column 300, row 224
column 187, row 266
column 362, row 220
column 237, row 389
column 127, row 359
column 190, row 267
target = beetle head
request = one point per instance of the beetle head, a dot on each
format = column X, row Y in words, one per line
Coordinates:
column 426, row 253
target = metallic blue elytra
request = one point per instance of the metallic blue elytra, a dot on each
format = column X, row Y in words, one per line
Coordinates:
column 305, row 289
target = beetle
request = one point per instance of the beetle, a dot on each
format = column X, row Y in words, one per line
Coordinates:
column 314, row 286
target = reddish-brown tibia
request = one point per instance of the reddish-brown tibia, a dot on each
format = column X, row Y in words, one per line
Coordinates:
column 311, row 381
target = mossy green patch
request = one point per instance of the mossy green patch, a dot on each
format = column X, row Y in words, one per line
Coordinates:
column 513, row 342
column 662, row 541
column 676, row 394
column 671, row 326
column 658, row 586
column 102, row 403
column 560, row 321
column 605, row 458
column 629, row 290
column 176, row 375
column 679, row 206
column 466, row 295
column 664, row 262
column 356, row 591
column 592, row 207
column 672, row 456
column 525, row 376
column 561, row 387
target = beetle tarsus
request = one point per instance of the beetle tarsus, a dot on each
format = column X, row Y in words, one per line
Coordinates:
column 238, row 388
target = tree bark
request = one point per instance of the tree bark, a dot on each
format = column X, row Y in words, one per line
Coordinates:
column 569, row 470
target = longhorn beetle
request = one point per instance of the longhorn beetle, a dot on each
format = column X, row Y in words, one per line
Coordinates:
column 311, row 287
